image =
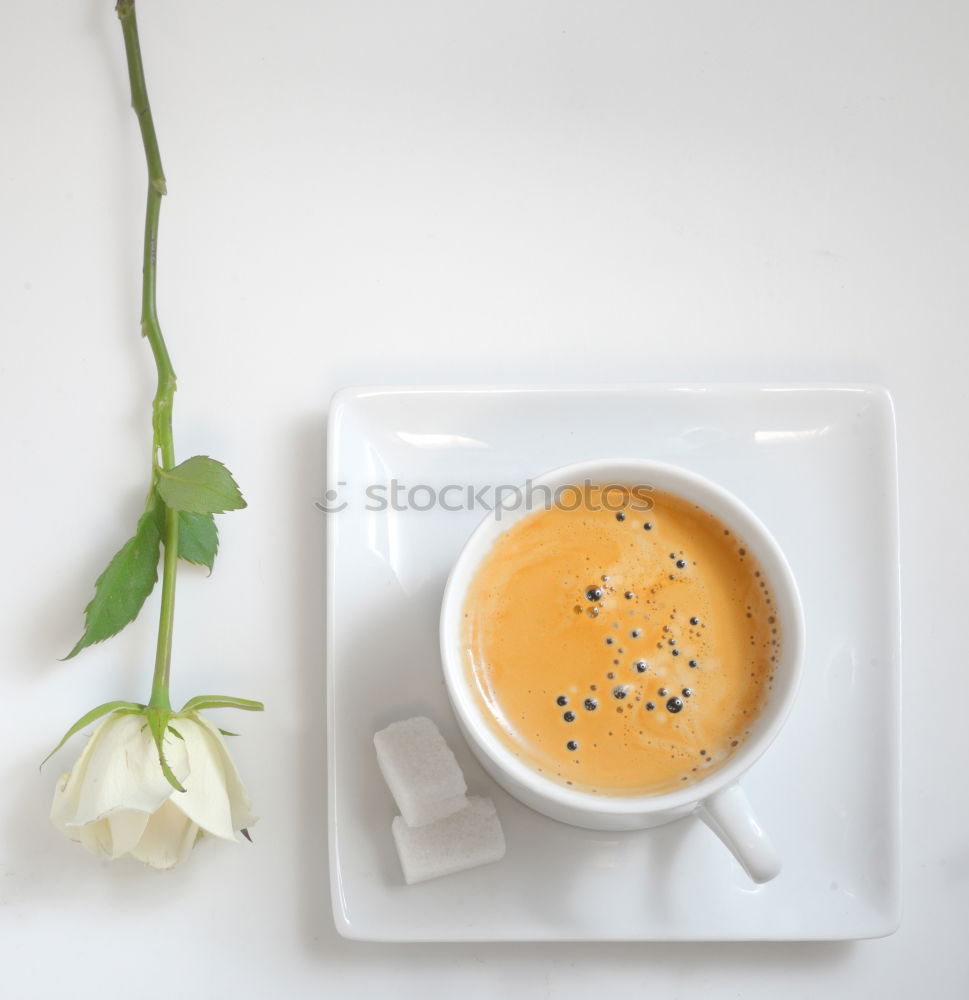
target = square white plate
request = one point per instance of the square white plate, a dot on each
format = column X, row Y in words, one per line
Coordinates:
column 817, row 463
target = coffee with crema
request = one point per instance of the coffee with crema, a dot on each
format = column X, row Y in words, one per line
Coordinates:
column 621, row 642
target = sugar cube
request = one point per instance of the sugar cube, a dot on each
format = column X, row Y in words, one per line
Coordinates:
column 470, row 837
column 420, row 770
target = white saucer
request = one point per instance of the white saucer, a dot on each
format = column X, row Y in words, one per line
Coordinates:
column 817, row 464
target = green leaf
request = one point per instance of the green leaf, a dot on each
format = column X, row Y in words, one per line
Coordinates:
column 225, row 732
column 93, row 716
column 123, row 587
column 200, row 485
column 158, row 724
column 220, row 701
column 198, row 538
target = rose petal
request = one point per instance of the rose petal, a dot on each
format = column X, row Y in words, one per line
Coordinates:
column 64, row 806
column 168, row 838
column 205, row 801
column 242, row 815
column 127, row 827
column 67, row 792
column 122, row 770
column 96, row 837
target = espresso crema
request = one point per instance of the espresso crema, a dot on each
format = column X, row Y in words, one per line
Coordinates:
column 618, row 649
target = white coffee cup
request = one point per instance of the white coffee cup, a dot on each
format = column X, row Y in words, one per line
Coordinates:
column 717, row 799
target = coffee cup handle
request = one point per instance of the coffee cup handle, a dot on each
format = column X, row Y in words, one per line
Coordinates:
column 729, row 815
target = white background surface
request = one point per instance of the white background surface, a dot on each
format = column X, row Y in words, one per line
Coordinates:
column 423, row 192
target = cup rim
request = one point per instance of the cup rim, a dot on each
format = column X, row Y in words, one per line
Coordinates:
column 737, row 516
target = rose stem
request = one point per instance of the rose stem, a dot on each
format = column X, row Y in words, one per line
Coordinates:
column 163, row 448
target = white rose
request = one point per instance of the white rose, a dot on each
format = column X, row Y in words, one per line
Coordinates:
column 117, row 802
